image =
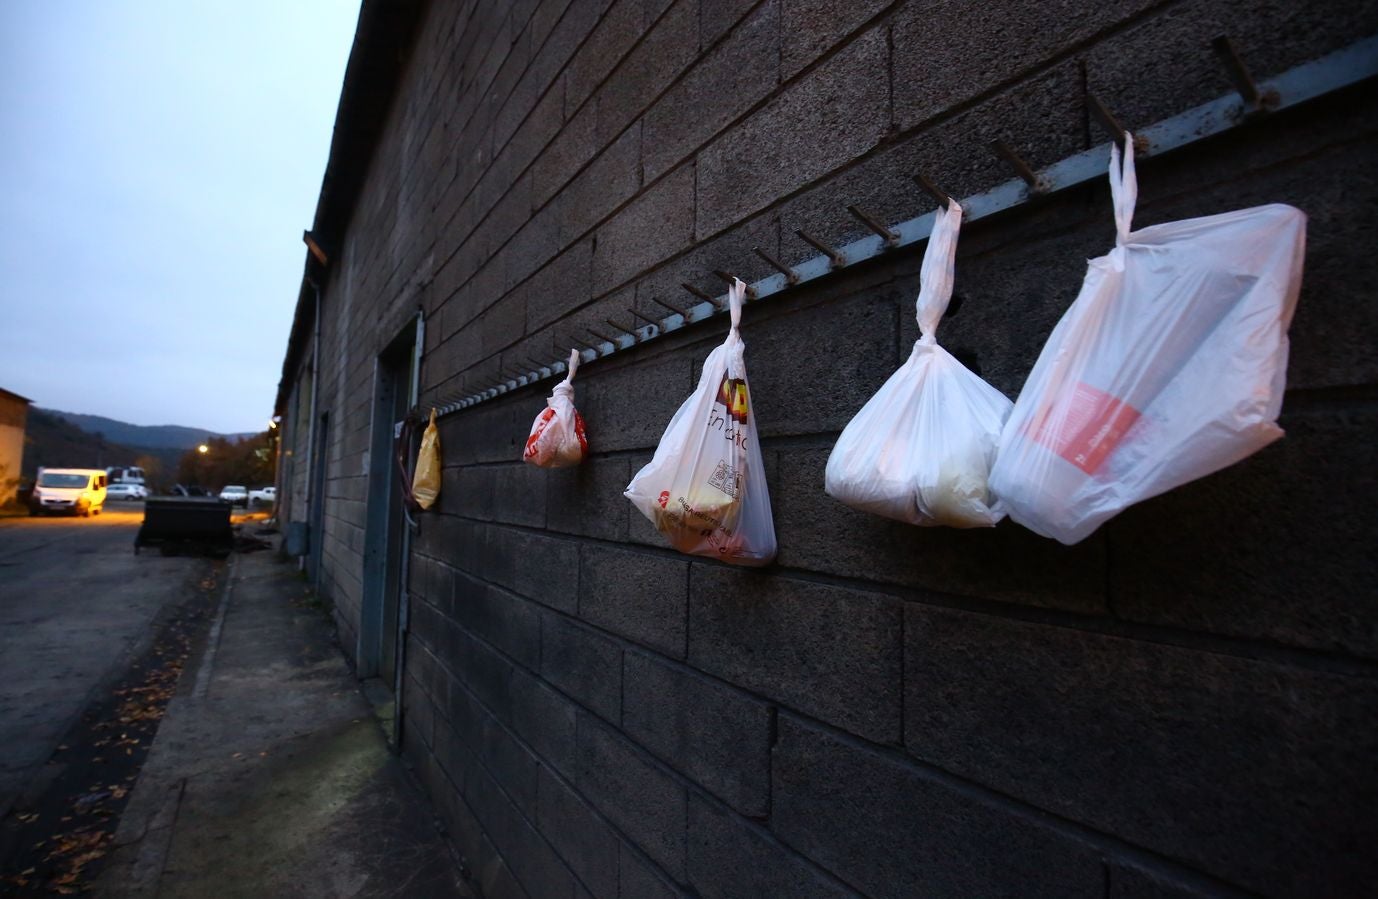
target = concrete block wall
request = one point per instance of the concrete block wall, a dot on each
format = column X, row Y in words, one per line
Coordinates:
column 1180, row 705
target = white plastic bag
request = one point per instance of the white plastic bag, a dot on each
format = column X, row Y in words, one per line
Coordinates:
column 557, row 437
column 920, row 450
column 705, row 488
column 1170, row 365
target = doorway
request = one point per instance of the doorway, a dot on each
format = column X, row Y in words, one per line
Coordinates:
column 385, row 543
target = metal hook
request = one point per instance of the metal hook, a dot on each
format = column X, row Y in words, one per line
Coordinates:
column 631, row 334
column 1021, row 167
column 928, row 187
column 835, row 259
column 602, row 337
column 573, row 344
column 890, row 237
column 1244, row 82
column 1106, row 120
column 636, row 315
column 731, row 279
column 698, row 293
column 659, row 302
column 791, row 276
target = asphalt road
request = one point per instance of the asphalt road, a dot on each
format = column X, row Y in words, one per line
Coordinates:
column 76, row 608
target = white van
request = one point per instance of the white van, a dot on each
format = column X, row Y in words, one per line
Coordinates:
column 80, row 491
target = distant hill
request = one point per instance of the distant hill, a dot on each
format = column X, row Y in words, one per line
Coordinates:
column 53, row 442
column 154, row 436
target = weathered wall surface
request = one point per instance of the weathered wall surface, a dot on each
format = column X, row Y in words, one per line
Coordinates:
column 1180, row 705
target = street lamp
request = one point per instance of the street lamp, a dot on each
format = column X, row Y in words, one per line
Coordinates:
column 203, row 449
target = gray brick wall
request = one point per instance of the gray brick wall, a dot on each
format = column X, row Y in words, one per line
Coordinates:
column 1180, row 705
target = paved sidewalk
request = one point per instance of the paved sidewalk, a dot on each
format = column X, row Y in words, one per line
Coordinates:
column 270, row 775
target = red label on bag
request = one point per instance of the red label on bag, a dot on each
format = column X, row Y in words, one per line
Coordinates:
column 1093, row 424
column 542, row 422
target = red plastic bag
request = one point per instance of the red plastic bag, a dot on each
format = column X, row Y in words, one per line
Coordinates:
column 557, row 437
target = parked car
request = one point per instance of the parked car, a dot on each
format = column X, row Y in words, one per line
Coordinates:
column 263, row 496
column 235, row 495
column 80, row 491
column 126, row 491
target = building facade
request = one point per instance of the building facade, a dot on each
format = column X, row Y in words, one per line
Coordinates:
column 14, row 414
column 1182, row 704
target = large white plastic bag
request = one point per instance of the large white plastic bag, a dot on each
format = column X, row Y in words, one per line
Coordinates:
column 1169, row 365
column 920, row 450
column 705, row 488
column 557, row 437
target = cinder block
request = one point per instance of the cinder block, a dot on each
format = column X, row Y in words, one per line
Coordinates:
column 1271, row 548
column 612, row 178
column 505, row 321
column 539, row 128
column 504, row 620
column 812, row 370
column 454, row 758
column 778, row 149
column 1006, row 563
column 721, row 85
column 811, row 28
column 667, row 46
column 941, row 61
column 1039, row 117
column 534, row 863
column 487, row 675
column 642, row 801
column 732, row 858
column 640, row 879
column 637, row 595
column 508, row 762
column 546, row 568
column 1132, row 880
column 1178, row 41
column 563, row 285
column 582, row 663
column 538, row 241
column 619, row 29
column 582, row 838
column 654, row 226
column 492, row 432
column 827, row 651
column 1250, row 770
column 892, row 830
column 545, row 720
column 569, row 152
column 420, row 718
column 716, row 736
column 629, row 407
column 587, row 500
column 519, row 494
column 730, row 251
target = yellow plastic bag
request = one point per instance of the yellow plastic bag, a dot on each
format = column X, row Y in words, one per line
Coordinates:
column 425, row 485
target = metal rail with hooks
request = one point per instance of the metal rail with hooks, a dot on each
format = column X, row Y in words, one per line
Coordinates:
column 1309, row 81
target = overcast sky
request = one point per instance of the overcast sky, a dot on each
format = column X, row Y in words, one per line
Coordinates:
column 159, row 160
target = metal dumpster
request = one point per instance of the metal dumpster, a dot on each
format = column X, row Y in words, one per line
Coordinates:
column 195, row 524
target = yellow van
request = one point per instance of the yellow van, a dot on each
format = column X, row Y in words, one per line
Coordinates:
column 80, row 491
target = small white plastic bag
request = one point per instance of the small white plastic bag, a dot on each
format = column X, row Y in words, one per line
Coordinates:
column 557, row 437
column 1169, row 365
column 920, row 450
column 705, row 488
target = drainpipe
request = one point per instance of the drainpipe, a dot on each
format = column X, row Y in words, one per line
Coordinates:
column 404, row 595
column 315, row 426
